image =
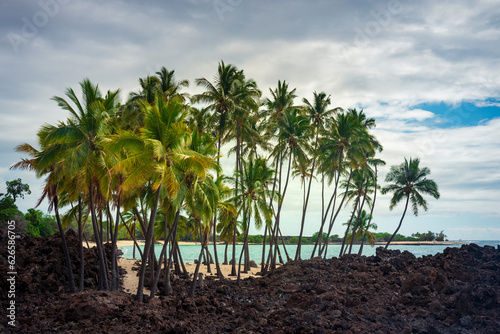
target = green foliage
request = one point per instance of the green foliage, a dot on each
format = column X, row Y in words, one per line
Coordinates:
column 295, row 240
column 17, row 188
column 382, row 236
column 335, row 238
column 8, row 209
column 315, row 236
column 40, row 224
column 429, row 236
column 441, row 236
column 255, row 239
column 252, row 239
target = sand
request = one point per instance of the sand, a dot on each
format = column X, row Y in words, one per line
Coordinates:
column 130, row 281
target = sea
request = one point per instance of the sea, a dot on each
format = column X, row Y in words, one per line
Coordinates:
column 191, row 252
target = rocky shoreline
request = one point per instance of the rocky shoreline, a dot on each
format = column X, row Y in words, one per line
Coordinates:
column 457, row 291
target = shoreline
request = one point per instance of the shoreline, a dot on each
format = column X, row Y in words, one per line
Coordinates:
column 130, row 279
column 194, row 243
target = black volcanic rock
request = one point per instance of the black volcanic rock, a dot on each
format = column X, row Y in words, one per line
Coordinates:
column 457, row 291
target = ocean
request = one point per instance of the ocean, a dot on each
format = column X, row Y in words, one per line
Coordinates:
column 191, row 252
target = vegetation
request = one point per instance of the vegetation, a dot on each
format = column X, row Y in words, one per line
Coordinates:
column 34, row 222
column 409, row 182
column 429, row 236
column 150, row 168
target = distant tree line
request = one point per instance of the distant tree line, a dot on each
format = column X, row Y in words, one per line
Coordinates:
column 379, row 237
column 429, row 236
column 34, row 222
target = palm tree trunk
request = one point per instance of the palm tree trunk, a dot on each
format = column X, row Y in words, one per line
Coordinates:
column 136, row 245
column 177, row 266
column 283, row 243
column 217, row 265
column 400, row 222
column 299, row 244
column 280, row 205
column 233, row 266
column 197, row 270
column 147, row 247
column 225, row 253
column 318, row 244
column 169, row 265
column 304, row 210
column 71, row 279
column 262, row 264
column 140, row 219
column 245, row 241
column 371, row 214
column 181, row 262
column 133, row 237
column 80, row 248
column 348, row 226
column 322, row 213
column 325, row 216
column 354, row 231
column 154, row 284
column 103, row 273
column 115, row 282
column 333, row 218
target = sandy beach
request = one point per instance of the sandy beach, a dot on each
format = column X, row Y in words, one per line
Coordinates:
column 130, row 281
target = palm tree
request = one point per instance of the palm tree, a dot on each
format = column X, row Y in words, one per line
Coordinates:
column 409, row 182
column 318, row 114
column 202, row 206
column 222, row 95
column 77, row 142
column 50, row 166
column 226, row 212
column 363, row 229
column 344, row 145
column 155, row 156
column 130, row 116
column 294, row 130
column 252, row 200
column 169, row 86
column 374, row 175
column 282, row 100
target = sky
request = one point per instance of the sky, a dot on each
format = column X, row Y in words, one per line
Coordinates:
column 427, row 71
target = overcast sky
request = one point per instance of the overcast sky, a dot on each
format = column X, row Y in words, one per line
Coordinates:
column 428, row 71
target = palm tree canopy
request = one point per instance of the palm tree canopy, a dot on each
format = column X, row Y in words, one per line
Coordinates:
column 364, row 228
column 409, row 180
column 255, row 175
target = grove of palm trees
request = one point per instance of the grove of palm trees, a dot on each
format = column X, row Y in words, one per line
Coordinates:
column 152, row 164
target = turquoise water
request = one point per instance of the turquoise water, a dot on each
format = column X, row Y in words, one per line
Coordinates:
column 191, row 252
